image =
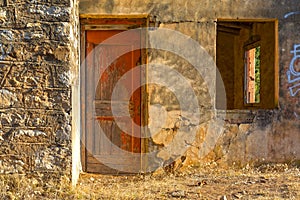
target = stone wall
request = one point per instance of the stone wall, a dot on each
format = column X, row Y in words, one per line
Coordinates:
column 268, row 135
column 37, row 59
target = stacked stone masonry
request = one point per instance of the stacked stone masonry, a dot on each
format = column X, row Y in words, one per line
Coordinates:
column 35, row 92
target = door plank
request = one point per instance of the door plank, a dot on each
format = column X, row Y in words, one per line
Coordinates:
column 114, row 163
column 121, row 108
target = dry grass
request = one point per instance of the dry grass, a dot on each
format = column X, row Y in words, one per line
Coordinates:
column 265, row 182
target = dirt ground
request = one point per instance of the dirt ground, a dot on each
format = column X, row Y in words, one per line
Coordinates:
column 265, row 182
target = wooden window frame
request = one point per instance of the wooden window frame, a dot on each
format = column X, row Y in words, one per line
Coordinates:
column 247, row 47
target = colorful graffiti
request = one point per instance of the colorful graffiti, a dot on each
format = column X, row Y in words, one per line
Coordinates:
column 293, row 74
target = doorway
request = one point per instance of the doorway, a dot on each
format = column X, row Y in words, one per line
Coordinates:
column 111, row 47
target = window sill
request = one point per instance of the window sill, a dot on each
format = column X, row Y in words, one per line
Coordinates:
column 248, row 116
column 238, row 116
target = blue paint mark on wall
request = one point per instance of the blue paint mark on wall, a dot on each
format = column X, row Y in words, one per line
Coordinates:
column 291, row 13
column 293, row 74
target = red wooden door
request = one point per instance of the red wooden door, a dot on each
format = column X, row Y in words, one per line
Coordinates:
column 109, row 148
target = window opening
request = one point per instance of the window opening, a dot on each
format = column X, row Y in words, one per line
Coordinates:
column 247, row 60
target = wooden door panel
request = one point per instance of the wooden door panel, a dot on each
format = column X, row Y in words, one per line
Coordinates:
column 112, row 72
column 106, row 58
column 113, row 134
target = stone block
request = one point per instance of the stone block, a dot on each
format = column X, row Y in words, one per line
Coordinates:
column 18, row 157
column 3, row 15
column 7, row 17
column 7, row 98
column 6, row 50
column 27, row 75
column 13, row 165
column 24, row 158
column 22, row 118
column 7, row 35
column 36, row 2
column 59, row 32
column 61, row 99
column 30, row 136
column 63, row 134
column 33, row 13
column 36, row 99
column 52, row 158
column 3, row 3
column 66, row 3
column 33, row 51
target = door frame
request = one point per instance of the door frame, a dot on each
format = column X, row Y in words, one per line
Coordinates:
column 113, row 22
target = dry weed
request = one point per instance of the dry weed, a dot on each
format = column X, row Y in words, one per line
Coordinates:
column 205, row 182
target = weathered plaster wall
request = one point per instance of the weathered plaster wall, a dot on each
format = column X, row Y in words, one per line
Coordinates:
column 261, row 136
column 38, row 52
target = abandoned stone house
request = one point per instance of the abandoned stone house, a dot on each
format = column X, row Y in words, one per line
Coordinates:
column 113, row 86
